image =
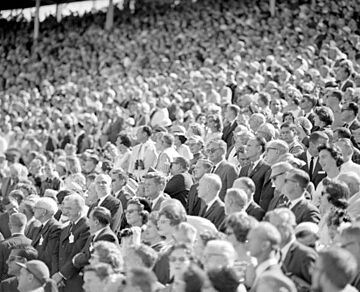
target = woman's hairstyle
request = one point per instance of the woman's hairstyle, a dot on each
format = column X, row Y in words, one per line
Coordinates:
column 241, row 224
column 142, row 209
column 217, row 121
column 338, row 217
column 337, row 193
column 334, row 151
column 325, row 115
column 288, row 114
column 125, row 140
column 174, row 212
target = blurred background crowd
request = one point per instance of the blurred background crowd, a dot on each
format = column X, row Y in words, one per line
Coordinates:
column 196, row 146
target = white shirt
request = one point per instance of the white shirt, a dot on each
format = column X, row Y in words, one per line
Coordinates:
column 308, row 157
column 350, row 166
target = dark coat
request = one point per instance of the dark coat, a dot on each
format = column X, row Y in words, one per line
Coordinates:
column 67, row 250
column 81, row 259
column 305, row 211
column 299, row 261
column 255, row 210
column 5, row 248
column 228, row 173
column 318, row 174
column 228, row 133
column 278, row 201
column 46, row 242
column 4, row 225
column 178, row 187
column 9, row 285
column 216, row 213
column 260, row 175
column 8, row 184
column 194, row 202
column 111, row 203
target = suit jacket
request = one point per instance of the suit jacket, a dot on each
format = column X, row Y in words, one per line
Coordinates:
column 228, row 133
column 5, row 248
column 84, row 142
column 305, row 211
column 9, row 285
column 261, row 177
column 178, row 187
column 4, row 225
column 7, row 186
column 157, row 205
column 216, row 213
column 354, row 125
column 194, row 202
column 114, row 129
column 318, row 174
column 228, row 173
column 255, row 210
column 278, row 201
column 81, row 259
column 299, row 261
column 46, row 242
column 111, row 203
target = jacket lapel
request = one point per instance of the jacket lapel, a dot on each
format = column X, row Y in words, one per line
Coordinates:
column 256, row 168
column 289, row 256
column 211, row 209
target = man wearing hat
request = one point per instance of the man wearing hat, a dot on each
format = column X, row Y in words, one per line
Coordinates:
column 35, row 277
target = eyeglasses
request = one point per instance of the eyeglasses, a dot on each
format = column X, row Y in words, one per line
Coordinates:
column 345, row 245
column 163, row 222
column 131, row 211
column 212, row 150
column 271, row 148
column 178, row 259
column 14, row 258
column 228, row 233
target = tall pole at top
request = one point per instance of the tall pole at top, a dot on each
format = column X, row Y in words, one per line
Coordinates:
column 37, row 21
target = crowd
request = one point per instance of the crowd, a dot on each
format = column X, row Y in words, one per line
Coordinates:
column 197, row 146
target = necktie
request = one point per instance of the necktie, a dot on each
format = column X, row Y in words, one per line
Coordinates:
column 251, row 168
column 213, row 169
column 311, row 167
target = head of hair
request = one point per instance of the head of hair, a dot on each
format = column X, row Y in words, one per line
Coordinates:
column 246, row 182
column 337, row 193
column 325, row 115
column 143, row 278
column 18, row 195
column 183, row 162
column 194, row 278
column 110, row 254
column 174, row 212
column 343, row 132
column 102, row 215
column 147, row 130
column 281, row 146
column 352, row 106
column 334, row 151
column 18, row 221
column 168, row 139
column 237, row 197
column 26, row 251
column 224, row 279
column 48, row 204
column 147, row 255
column 102, row 270
column 125, row 140
column 269, row 233
column 188, row 231
column 241, row 224
column 142, row 208
column 338, row 265
column 316, row 136
column 288, row 114
column 213, row 181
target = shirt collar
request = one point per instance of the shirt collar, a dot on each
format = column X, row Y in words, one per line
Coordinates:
column 208, row 205
column 96, row 234
column 101, row 200
column 295, row 201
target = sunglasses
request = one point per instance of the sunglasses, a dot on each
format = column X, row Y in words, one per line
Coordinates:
column 212, row 150
column 178, row 259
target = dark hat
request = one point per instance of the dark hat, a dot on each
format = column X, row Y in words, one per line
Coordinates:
column 224, row 279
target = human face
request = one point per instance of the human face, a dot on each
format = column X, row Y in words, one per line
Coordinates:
column 179, row 261
column 230, row 207
column 271, row 155
column 70, row 210
column 195, row 147
column 351, row 244
column 13, row 268
column 290, row 186
column 254, row 243
column 39, row 212
column 92, row 283
column 326, row 161
column 164, row 227
column 203, row 189
column 175, row 168
column 214, row 152
column 278, row 181
column 199, row 170
column 152, row 189
column 252, row 150
column 102, row 185
column 133, row 215
column 93, row 224
column 150, row 232
column 275, row 106
column 287, row 135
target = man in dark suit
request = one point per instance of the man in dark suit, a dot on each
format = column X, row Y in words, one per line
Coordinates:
column 72, row 240
column 209, row 189
column 216, row 150
column 307, row 105
column 311, row 157
column 105, row 199
column 9, row 183
column 297, row 259
column 194, row 202
column 296, row 183
column 349, row 113
column 231, row 114
column 47, row 236
column 99, row 223
column 19, row 254
column 17, row 224
column 248, row 186
column 114, row 129
column 179, row 184
column 259, row 171
column 154, row 189
column 11, row 206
